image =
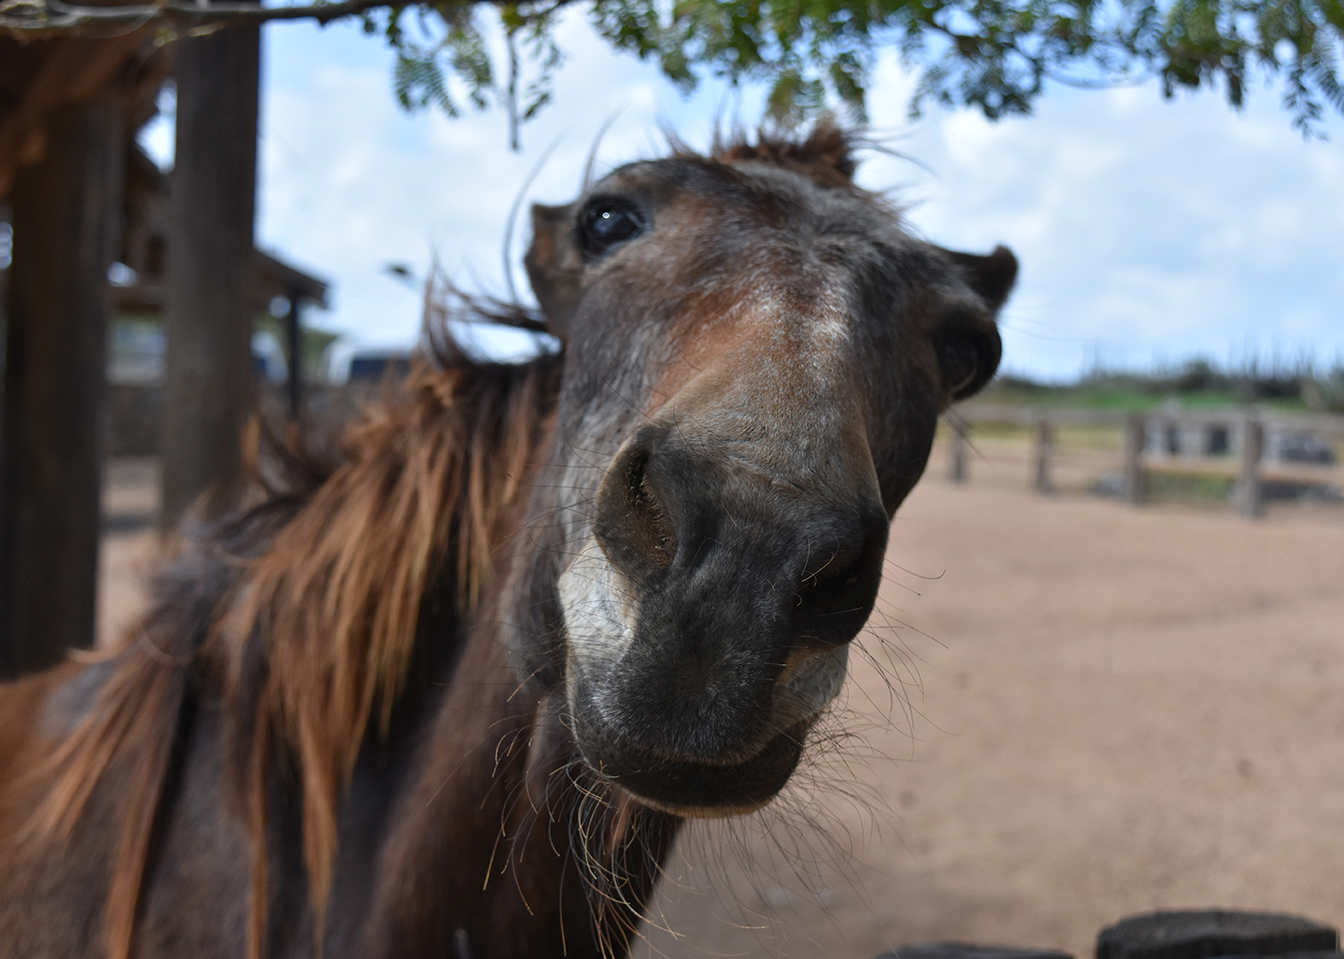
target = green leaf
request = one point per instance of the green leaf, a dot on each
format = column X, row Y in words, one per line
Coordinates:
column 997, row 56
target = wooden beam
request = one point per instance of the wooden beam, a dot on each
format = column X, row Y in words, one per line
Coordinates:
column 209, row 391
column 1045, row 444
column 65, row 213
column 1136, row 482
column 74, row 70
column 294, row 346
column 1250, row 489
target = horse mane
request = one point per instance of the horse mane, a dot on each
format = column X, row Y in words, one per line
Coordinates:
column 331, row 630
column 313, row 638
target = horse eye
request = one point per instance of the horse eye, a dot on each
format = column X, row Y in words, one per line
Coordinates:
column 607, row 222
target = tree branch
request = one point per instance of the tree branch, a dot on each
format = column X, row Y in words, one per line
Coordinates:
column 32, row 19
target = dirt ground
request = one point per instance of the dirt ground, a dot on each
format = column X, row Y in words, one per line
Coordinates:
column 1066, row 711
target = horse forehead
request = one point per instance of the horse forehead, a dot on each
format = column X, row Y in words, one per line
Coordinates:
column 736, row 228
column 789, row 340
column 764, row 265
column 761, row 190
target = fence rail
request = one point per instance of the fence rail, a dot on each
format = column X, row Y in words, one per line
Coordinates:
column 1227, row 442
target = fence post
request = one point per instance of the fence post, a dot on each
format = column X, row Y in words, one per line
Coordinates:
column 959, row 444
column 1135, row 492
column 294, row 344
column 1045, row 442
column 1249, row 491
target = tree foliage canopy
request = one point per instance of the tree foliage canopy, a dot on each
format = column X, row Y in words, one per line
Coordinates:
column 996, row 55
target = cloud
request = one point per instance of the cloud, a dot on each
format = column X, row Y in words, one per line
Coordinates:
column 1145, row 227
column 351, row 183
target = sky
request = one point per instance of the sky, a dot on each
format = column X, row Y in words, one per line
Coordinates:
column 1149, row 231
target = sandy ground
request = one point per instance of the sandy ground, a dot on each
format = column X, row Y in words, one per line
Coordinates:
column 1066, row 711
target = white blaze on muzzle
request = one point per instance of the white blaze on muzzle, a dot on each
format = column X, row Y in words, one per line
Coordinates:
column 601, row 612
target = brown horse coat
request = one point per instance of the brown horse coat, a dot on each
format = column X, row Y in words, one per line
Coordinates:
column 453, row 693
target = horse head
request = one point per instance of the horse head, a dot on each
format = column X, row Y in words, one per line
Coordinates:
column 756, row 356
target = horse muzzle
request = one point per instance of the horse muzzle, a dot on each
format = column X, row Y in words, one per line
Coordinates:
column 707, row 623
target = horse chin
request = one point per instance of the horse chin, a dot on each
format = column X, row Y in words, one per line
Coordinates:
column 702, row 812
column 692, row 789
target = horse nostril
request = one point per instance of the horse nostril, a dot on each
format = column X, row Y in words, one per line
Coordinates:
column 839, row 581
column 632, row 524
column 837, row 571
column 651, row 527
column 825, row 581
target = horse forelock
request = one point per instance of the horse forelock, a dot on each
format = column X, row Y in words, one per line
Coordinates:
column 825, row 155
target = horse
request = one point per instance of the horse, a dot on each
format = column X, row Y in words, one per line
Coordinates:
column 453, row 691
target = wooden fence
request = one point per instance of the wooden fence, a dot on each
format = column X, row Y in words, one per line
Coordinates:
column 1227, row 442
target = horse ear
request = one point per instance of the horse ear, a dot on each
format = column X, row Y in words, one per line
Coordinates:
column 968, row 351
column 554, row 265
column 990, row 276
column 967, row 342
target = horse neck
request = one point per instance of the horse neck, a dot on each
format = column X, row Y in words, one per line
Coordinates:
column 504, row 843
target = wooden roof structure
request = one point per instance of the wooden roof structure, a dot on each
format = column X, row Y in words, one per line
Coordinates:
column 145, row 242
column 39, row 76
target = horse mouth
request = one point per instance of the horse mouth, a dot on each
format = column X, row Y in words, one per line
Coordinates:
column 697, row 789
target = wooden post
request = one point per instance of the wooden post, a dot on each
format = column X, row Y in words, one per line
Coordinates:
column 294, row 333
column 6, row 253
column 1045, row 442
column 959, row 445
column 1250, row 493
column 209, row 392
column 66, row 210
column 1135, row 481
